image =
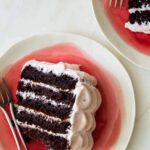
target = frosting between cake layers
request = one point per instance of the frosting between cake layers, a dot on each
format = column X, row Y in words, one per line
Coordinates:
column 25, row 125
column 31, row 111
column 138, row 28
column 142, row 8
column 43, row 98
column 26, row 81
column 88, row 100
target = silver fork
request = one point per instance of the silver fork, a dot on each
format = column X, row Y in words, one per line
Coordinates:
column 115, row 3
column 8, row 101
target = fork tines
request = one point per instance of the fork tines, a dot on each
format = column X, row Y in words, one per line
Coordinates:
column 4, row 92
column 114, row 4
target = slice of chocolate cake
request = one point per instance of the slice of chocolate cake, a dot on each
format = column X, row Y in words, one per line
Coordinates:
column 139, row 18
column 56, row 105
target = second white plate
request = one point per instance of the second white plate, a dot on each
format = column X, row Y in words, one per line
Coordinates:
column 115, row 40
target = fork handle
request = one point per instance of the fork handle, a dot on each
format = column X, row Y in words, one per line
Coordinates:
column 11, row 127
column 16, row 125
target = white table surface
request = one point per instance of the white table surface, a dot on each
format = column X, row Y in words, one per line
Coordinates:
column 21, row 18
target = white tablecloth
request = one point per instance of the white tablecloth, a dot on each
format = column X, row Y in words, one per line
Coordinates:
column 21, row 18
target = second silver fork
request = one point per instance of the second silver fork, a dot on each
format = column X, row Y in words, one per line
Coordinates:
column 120, row 2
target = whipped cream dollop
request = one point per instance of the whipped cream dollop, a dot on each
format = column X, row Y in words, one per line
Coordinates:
column 87, row 101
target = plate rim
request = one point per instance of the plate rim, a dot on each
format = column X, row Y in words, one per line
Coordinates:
column 106, row 50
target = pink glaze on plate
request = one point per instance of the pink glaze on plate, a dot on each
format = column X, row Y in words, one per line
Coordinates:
column 118, row 17
column 109, row 116
column 6, row 139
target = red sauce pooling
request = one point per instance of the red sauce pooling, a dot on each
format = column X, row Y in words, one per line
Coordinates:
column 109, row 115
column 118, row 18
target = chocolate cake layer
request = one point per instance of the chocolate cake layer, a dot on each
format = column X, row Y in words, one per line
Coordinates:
column 140, row 17
column 47, row 108
column 60, row 96
column 138, row 3
column 52, row 142
column 43, row 122
column 63, row 81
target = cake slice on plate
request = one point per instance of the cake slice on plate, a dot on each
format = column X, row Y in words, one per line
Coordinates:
column 56, row 105
column 139, row 18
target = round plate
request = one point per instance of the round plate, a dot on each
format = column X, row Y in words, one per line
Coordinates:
column 116, row 41
column 100, row 54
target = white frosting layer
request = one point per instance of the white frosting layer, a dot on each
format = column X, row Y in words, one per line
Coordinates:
column 138, row 28
column 25, row 125
column 143, row 8
column 26, row 81
column 87, row 101
column 34, row 112
column 32, row 95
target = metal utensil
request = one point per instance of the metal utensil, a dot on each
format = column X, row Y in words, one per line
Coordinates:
column 8, row 101
column 120, row 2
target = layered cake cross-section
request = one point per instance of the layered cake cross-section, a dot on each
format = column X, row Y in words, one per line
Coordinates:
column 57, row 104
column 139, row 18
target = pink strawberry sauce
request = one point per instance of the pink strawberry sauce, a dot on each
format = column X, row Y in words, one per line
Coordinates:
column 109, row 116
column 118, row 17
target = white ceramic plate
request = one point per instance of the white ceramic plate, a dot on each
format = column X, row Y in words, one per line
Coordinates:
column 116, row 41
column 98, row 53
